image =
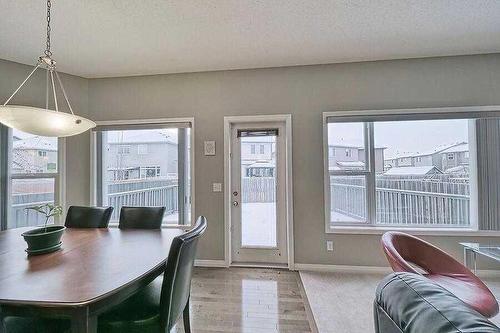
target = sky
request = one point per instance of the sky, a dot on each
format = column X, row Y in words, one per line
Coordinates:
column 403, row 136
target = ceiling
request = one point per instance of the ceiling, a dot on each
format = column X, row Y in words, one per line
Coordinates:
column 100, row 38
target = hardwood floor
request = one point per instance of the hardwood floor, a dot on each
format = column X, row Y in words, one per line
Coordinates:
column 247, row 300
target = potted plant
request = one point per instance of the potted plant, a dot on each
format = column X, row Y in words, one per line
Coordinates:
column 47, row 238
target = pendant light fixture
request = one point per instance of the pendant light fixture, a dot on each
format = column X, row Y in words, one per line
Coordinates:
column 41, row 121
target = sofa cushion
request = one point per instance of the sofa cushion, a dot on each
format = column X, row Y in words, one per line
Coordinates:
column 418, row 305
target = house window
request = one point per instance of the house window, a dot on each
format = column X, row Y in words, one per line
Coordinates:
column 382, row 194
column 33, row 180
column 142, row 149
column 451, row 156
column 348, row 153
column 252, row 149
column 123, row 150
column 136, row 180
column 261, row 149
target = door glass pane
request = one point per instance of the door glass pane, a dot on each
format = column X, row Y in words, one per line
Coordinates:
column 258, row 192
column 27, row 193
column 423, row 172
column 141, row 168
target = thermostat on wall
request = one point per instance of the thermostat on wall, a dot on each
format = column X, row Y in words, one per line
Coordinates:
column 209, row 148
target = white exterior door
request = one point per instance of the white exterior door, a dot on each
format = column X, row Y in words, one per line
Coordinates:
column 258, row 209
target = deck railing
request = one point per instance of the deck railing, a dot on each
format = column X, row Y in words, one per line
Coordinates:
column 442, row 200
column 156, row 196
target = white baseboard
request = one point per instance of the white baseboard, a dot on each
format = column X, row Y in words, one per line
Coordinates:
column 482, row 273
column 209, row 263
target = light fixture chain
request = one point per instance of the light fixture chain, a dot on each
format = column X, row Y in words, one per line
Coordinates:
column 47, row 52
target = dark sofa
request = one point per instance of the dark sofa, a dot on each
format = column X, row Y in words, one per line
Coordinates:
column 411, row 303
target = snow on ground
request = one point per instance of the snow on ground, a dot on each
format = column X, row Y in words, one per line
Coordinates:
column 258, row 224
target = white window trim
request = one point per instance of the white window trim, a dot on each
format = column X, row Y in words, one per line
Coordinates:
column 93, row 160
column 59, row 179
column 371, row 228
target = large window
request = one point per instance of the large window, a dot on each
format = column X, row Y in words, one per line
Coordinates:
column 145, row 166
column 406, row 172
column 33, row 176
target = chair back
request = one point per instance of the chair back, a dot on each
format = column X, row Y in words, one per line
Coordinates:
column 176, row 285
column 141, row 217
column 88, row 217
column 403, row 251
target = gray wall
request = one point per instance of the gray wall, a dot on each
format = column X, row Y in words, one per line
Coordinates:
column 305, row 92
column 33, row 94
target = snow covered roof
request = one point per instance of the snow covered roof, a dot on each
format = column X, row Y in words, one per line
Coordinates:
column 351, row 164
column 458, row 169
column 344, row 145
column 408, row 171
column 437, row 149
column 36, row 143
column 262, row 164
column 464, row 146
column 347, row 165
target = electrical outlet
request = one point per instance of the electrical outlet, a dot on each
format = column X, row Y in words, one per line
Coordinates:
column 329, row 246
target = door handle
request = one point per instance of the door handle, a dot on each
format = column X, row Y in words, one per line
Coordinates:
column 235, row 203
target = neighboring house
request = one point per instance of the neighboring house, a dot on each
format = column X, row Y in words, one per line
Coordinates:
column 258, row 157
column 442, row 157
column 455, row 156
column 260, row 169
column 141, row 155
column 351, row 157
column 413, row 171
column 34, row 155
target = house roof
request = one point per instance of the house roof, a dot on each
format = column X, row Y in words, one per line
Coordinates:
column 437, row 149
column 346, row 165
column 464, row 146
column 36, row 143
column 408, row 171
column 262, row 164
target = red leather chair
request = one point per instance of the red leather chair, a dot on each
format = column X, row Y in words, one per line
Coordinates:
column 405, row 252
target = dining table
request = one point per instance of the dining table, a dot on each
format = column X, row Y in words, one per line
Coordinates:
column 94, row 270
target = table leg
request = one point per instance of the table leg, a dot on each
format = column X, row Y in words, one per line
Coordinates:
column 83, row 322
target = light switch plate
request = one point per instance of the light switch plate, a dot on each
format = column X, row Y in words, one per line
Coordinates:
column 217, row 187
column 209, row 148
column 329, row 245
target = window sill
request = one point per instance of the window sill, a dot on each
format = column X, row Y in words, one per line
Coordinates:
column 372, row 230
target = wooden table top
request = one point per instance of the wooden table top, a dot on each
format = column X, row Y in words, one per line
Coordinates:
column 91, row 265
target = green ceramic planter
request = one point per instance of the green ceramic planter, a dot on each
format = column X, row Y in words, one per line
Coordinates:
column 44, row 240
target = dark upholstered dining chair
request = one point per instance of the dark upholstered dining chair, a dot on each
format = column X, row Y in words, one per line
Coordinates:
column 141, row 217
column 155, row 309
column 88, row 217
column 405, row 252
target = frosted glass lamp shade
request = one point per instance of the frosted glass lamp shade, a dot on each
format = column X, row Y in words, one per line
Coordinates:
column 43, row 122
